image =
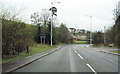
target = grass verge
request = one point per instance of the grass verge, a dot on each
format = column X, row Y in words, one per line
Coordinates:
column 80, row 42
column 118, row 51
column 32, row 50
column 100, row 45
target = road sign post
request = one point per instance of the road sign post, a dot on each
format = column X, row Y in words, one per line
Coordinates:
column 42, row 36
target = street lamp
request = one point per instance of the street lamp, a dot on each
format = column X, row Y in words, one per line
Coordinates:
column 90, row 28
column 52, row 19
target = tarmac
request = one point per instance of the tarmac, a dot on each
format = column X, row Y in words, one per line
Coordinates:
column 14, row 65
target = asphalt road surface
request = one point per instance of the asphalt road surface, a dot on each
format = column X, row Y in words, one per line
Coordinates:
column 74, row 58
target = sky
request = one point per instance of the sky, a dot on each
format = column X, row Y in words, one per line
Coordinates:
column 70, row 12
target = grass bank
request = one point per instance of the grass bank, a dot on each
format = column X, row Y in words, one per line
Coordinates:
column 80, row 42
column 32, row 50
column 118, row 51
column 99, row 45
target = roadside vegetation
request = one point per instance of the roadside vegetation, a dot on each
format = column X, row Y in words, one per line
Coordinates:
column 20, row 39
column 33, row 50
column 112, row 35
column 99, row 45
column 116, row 51
column 80, row 42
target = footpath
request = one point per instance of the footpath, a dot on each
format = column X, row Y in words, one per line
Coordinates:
column 107, row 50
column 13, row 65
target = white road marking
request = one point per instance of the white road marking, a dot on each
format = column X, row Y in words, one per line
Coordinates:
column 91, row 68
column 75, row 51
column 80, row 56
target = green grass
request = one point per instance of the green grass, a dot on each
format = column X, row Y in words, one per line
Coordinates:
column 33, row 50
column 81, row 42
column 8, row 58
column 100, row 45
column 116, row 51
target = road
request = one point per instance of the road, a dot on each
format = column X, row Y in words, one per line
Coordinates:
column 74, row 58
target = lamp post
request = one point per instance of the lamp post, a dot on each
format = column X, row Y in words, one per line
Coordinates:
column 90, row 28
column 52, row 19
column 104, row 36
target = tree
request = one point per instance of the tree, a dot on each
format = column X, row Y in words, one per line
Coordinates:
column 40, row 20
column 45, row 16
column 64, row 34
column 73, row 31
column 35, row 18
column 98, row 38
column 113, row 34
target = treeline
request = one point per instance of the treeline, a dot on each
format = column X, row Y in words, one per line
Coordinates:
column 112, row 35
column 17, row 36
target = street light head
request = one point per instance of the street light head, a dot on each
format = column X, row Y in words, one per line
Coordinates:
column 58, row 2
column 54, row 2
column 51, row 2
column 88, row 15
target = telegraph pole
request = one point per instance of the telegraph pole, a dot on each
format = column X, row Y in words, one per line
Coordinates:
column 52, row 19
column 104, row 36
column 90, row 29
column 51, row 22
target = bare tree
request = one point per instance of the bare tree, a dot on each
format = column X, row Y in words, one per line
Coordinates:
column 45, row 15
column 35, row 18
column 9, row 13
column 116, row 13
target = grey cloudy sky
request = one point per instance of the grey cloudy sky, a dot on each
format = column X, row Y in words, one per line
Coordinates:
column 70, row 12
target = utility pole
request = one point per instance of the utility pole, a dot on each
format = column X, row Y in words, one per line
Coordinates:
column 52, row 19
column 90, row 29
column 51, row 22
column 104, row 36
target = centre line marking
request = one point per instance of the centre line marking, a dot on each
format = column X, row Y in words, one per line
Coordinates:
column 80, row 56
column 92, row 69
column 75, row 51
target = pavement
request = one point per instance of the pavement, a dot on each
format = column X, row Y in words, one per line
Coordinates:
column 107, row 50
column 13, row 65
column 70, row 58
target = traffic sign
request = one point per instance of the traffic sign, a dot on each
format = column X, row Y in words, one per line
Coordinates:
column 42, row 35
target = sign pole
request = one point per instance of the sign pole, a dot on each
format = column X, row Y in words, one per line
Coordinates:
column 44, row 42
column 41, row 42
